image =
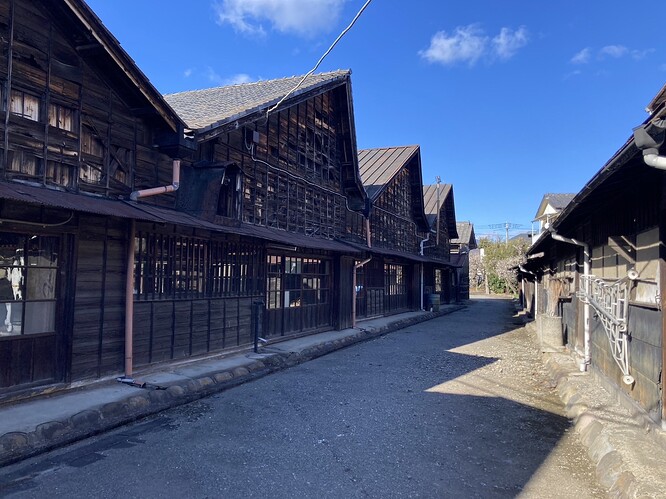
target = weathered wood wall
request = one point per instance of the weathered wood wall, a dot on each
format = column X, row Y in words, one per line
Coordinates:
column 98, row 342
column 62, row 123
column 644, row 358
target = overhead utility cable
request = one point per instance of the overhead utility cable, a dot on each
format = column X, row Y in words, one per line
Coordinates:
column 320, row 59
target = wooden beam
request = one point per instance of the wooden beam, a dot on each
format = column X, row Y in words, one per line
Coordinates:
column 623, row 247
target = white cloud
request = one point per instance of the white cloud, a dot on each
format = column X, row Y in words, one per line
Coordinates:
column 640, row 54
column 300, row 17
column 466, row 44
column 187, row 73
column 615, row 51
column 507, row 43
column 221, row 81
column 239, row 78
column 582, row 57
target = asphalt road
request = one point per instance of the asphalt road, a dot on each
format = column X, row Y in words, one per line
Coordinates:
column 459, row 406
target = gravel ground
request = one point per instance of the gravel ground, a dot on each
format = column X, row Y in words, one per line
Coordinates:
column 459, row 406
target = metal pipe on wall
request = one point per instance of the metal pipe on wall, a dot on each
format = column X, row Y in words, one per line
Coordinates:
column 129, row 302
column 586, row 307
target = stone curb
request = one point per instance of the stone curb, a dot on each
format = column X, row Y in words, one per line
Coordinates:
column 16, row 446
column 608, row 461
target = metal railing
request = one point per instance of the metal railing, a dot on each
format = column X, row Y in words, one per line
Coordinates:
column 611, row 303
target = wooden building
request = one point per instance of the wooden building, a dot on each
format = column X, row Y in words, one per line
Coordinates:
column 389, row 276
column 460, row 248
column 82, row 129
column 441, row 276
column 228, row 227
column 282, row 163
column 600, row 270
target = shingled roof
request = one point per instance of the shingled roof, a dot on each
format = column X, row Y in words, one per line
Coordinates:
column 214, row 111
column 213, row 107
column 379, row 166
column 465, row 234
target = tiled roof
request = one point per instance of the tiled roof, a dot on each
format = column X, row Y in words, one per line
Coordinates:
column 379, row 166
column 212, row 107
column 465, row 234
column 557, row 201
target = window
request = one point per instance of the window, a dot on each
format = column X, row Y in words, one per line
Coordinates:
column 59, row 173
column 25, row 163
column 303, row 282
column 24, row 105
column 174, row 267
column 438, row 280
column 228, row 204
column 394, row 281
column 62, row 117
column 28, row 275
column 274, row 285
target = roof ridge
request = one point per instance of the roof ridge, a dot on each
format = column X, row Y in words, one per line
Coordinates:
column 263, row 81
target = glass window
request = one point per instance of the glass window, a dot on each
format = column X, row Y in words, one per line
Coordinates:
column 28, row 283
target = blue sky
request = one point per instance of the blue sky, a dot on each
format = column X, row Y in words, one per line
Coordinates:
column 508, row 99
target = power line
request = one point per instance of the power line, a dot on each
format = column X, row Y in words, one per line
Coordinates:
column 320, row 59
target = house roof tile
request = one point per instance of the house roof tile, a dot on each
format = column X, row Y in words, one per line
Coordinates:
column 212, row 107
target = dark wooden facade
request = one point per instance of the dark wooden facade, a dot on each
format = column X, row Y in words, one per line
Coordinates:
column 250, row 242
column 74, row 125
column 460, row 248
column 390, row 282
column 441, row 276
column 291, row 171
column 625, row 236
column 262, row 234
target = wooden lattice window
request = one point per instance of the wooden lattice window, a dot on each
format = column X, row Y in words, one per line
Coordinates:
column 60, row 173
column 24, row 104
column 25, row 163
column 176, row 267
column 62, row 117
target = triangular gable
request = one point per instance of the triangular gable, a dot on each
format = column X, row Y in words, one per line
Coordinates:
column 98, row 47
column 446, row 203
column 378, row 167
column 214, row 111
column 213, row 108
column 552, row 203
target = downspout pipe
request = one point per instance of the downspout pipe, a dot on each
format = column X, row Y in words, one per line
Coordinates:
column 422, row 245
column 154, row 191
column 356, row 267
column 129, row 303
column 586, row 307
column 129, row 278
